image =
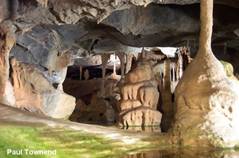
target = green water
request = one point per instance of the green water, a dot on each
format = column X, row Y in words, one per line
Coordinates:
column 78, row 144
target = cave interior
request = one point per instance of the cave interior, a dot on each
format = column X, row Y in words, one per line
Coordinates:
column 166, row 68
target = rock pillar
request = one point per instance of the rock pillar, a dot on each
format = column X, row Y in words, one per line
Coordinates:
column 207, row 102
column 7, row 41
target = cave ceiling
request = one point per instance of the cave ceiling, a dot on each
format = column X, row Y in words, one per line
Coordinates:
column 80, row 25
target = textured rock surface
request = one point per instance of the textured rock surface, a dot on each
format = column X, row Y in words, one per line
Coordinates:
column 99, row 111
column 138, row 105
column 131, row 23
column 8, row 39
column 35, row 93
column 49, row 30
column 207, row 101
column 58, row 104
column 142, row 116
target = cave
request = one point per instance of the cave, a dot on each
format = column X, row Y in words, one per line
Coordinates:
column 119, row 78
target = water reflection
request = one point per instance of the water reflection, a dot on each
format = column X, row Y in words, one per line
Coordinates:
column 189, row 153
column 144, row 129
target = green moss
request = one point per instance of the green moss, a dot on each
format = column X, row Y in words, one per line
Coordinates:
column 67, row 143
column 228, row 68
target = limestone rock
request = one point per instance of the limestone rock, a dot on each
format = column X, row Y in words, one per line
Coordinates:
column 27, row 92
column 207, row 101
column 58, row 104
column 129, row 104
column 141, row 117
column 7, row 41
column 8, row 95
column 149, row 96
column 140, row 96
column 35, row 93
column 130, row 91
column 141, row 73
column 80, row 106
column 99, row 111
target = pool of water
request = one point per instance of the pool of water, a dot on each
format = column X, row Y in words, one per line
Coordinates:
column 152, row 129
column 186, row 153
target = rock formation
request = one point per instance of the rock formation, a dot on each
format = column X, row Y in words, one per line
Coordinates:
column 129, row 58
column 139, row 98
column 104, row 58
column 41, row 37
column 31, row 85
column 7, row 41
column 207, row 101
column 167, row 104
column 35, row 93
column 99, row 111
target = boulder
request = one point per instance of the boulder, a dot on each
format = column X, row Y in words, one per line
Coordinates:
column 58, row 104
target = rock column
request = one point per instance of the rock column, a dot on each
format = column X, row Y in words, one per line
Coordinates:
column 7, row 41
column 104, row 58
column 207, row 101
column 167, row 106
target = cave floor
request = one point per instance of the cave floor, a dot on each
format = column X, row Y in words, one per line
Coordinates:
column 22, row 130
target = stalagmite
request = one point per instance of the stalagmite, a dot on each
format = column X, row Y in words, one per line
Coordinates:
column 104, row 58
column 86, row 74
column 166, row 98
column 114, row 67
column 207, row 101
column 7, row 41
column 129, row 58
column 173, row 72
column 174, row 81
column 139, row 98
column 179, row 66
column 44, row 3
column 81, row 72
column 122, row 63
